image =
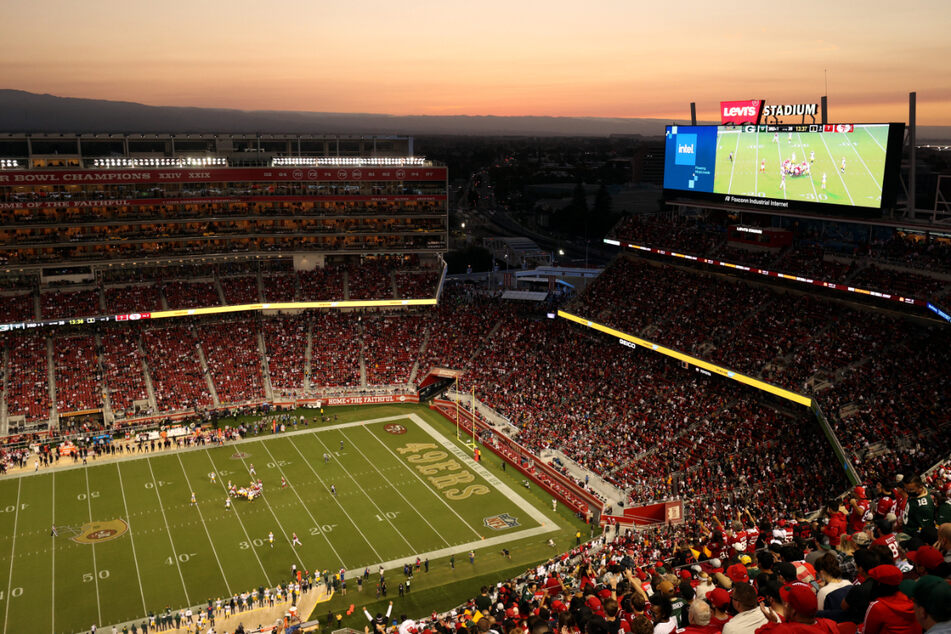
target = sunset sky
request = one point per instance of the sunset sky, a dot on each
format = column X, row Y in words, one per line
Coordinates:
column 617, row 58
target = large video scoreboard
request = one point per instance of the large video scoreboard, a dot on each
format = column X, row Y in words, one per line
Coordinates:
column 845, row 169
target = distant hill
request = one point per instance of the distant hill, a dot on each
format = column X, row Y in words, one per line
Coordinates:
column 22, row 111
column 28, row 112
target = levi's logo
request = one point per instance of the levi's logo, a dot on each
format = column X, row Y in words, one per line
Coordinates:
column 747, row 111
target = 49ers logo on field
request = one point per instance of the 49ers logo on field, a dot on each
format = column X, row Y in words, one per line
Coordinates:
column 98, row 532
column 394, row 428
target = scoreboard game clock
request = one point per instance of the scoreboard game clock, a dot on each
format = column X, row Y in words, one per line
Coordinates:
column 846, row 169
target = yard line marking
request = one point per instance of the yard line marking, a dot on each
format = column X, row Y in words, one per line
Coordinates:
column 135, row 558
column 95, row 569
column 390, row 484
column 420, row 478
column 836, row 169
column 13, row 547
column 313, row 519
column 155, row 487
column 372, row 500
column 280, row 526
column 756, row 166
column 240, row 521
column 205, row 526
column 319, row 479
column 53, row 562
column 812, row 181
column 861, row 160
column 780, row 152
column 736, row 150
column 865, row 128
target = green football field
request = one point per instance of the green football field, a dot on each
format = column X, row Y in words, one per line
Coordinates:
column 859, row 184
column 131, row 542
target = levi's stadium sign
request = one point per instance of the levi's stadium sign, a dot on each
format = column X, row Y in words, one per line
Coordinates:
column 739, row 112
column 791, row 109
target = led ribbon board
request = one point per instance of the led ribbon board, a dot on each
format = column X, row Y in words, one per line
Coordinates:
column 698, row 363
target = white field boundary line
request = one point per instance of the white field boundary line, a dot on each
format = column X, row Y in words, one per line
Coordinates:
column 128, row 521
column 240, row 521
column 205, row 526
column 95, row 568
column 398, row 492
column 13, row 546
column 158, row 496
column 280, row 525
column 836, row 169
column 205, row 447
column 368, row 497
column 301, row 500
column 420, row 478
column 356, row 525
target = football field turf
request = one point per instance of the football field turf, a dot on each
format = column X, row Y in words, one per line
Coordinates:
column 859, row 184
column 130, row 541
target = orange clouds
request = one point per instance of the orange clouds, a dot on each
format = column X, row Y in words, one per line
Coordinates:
column 610, row 58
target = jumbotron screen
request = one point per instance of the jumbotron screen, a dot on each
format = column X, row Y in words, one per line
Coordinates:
column 852, row 166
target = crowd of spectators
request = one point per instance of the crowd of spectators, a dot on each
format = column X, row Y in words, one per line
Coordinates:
column 240, row 290
column 680, row 233
column 813, row 255
column 132, row 298
column 191, row 294
column 27, row 378
column 322, row 284
column 17, row 307
column 390, row 348
column 122, row 369
column 280, row 287
column 78, row 379
column 234, row 360
column 174, row 367
column 57, row 304
column 285, row 343
column 416, row 284
column 371, row 279
column 914, row 251
column 335, row 351
column 850, row 569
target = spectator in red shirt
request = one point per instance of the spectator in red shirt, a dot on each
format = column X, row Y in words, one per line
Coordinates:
column 719, row 600
column 858, row 507
column 800, row 607
column 891, row 612
column 837, row 524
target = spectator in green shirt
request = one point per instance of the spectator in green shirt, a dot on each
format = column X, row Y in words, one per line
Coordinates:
column 921, row 509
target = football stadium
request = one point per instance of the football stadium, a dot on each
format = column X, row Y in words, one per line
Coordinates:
column 241, row 391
